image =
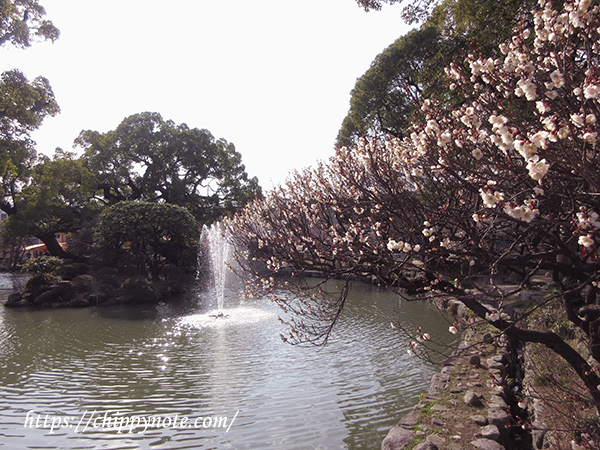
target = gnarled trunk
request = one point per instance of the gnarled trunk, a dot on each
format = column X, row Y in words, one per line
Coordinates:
column 54, row 248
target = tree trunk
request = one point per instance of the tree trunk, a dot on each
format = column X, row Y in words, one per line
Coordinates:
column 550, row 340
column 54, row 248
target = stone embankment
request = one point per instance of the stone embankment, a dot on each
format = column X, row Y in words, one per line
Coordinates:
column 470, row 404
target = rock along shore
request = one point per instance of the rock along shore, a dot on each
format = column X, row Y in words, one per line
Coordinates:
column 471, row 403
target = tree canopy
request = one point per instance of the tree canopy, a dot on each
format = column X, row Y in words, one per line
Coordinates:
column 384, row 97
column 146, row 236
column 24, row 105
column 147, row 158
column 413, row 11
column 411, row 68
column 59, row 198
column 22, row 21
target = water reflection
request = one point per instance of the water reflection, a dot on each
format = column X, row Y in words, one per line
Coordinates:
column 175, row 359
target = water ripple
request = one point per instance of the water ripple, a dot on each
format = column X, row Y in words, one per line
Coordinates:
column 140, row 362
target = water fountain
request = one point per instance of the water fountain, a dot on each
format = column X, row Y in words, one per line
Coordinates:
column 219, row 252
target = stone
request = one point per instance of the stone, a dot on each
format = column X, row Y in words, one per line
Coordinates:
column 487, row 444
column 439, row 407
column 438, row 422
column 479, row 420
column 500, row 358
column 411, row 419
column 538, row 437
column 475, row 360
column 437, row 383
column 79, row 302
column 496, row 401
column 15, row 299
column 472, row 399
column 498, row 417
column 397, row 438
column 490, row 432
column 426, row 446
column 438, row 441
column 498, row 372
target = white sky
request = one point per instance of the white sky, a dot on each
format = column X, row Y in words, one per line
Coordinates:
column 272, row 76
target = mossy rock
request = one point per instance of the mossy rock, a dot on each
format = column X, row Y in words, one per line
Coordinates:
column 60, row 294
column 71, row 271
column 83, row 283
column 38, row 284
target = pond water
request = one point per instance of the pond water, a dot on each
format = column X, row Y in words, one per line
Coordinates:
column 169, row 376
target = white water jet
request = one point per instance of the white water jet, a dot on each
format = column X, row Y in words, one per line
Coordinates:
column 219, row 251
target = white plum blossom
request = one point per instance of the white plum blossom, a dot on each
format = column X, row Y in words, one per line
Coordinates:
column 563, row 133
column 586, row 241
column 526, row 149
column 557, row 78
column 590, row 137
column 490, row 199
column 591, row 91
column 432, row 128
column 578, row 120
column 525, row 213
column 405, row 247
column 542, row 107
column 539, row 139
column 537, row 169
column 529, row 214
column 477, row 154
column 588, row 220
column 492, row 316
column 526, row 87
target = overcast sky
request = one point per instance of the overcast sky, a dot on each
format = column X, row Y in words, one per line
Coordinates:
column 272, row 76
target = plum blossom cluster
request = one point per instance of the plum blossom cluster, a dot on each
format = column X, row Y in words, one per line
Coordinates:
column 507, row 179
column 588, row 227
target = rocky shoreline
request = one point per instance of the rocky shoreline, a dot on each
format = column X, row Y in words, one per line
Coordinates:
column 471, row 403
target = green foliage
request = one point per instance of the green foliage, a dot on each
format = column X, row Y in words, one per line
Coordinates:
column 411, row 68
column 384, row 97
column 149, row 159
column 42, row 265
column 23, row 104
column 144, row 236
column 23, row 107
column 414, row 11
column 40, row 282
column 21, row 21
column 60, row 198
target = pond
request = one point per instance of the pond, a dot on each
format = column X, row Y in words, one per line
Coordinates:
column 170, row 376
